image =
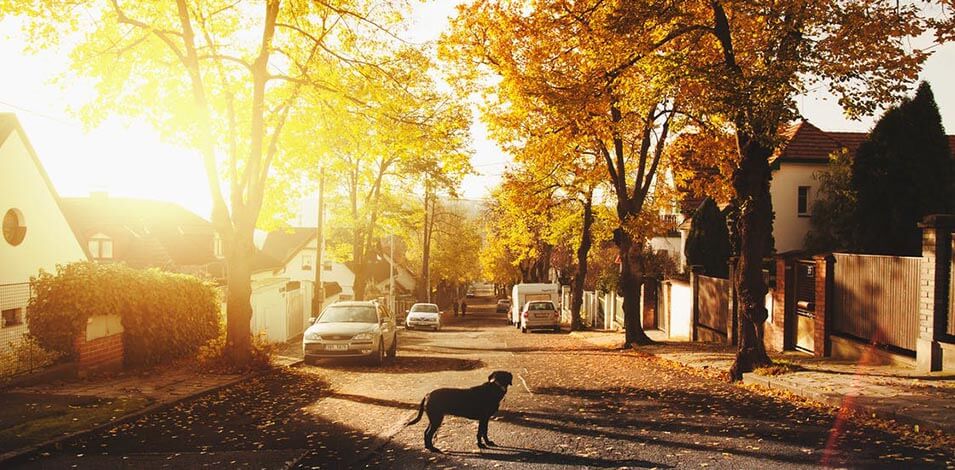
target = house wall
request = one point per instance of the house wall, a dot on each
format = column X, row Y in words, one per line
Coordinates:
column 789, row 228
column 49, row 239
column 339, row 272
column 672, row 245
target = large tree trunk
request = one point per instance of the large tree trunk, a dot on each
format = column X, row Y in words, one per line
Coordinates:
column 577, row 295
column 631, row 278
column 238, row 303
column 751, row 182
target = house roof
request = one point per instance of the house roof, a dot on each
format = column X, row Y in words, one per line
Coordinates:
column 281, row 246
column 804, row 142
column 9, row 124
column 160, row 233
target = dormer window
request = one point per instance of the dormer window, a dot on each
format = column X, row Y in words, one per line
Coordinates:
column 217, row 246
column 307, row 262
column 101, row 247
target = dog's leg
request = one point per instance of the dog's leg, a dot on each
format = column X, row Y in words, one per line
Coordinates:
column 482, row 433
column 433, row 425
column 484, row 424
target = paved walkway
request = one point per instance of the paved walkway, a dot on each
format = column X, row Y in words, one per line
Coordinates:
column 889, row 392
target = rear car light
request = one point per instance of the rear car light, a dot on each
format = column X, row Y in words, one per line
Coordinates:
column 524, row 314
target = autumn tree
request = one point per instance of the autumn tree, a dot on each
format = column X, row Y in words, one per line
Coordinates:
column 831, row 224
column 221, row 77
column 569, row 68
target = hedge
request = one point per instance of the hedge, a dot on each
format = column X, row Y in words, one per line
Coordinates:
column 165, row 315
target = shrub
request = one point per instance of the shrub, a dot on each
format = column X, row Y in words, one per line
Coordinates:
column 165, row 315
column 708, row 243
column 23, row 355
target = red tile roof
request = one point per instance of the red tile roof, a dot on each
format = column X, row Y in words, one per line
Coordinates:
column 804, row 142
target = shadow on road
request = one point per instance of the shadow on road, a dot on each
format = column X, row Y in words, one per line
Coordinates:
column 537, row 456
column 402, row 365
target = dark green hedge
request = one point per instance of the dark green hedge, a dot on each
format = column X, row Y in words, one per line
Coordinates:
column 165, row 315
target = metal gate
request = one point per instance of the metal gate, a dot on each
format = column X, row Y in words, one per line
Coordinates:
column 805, row 287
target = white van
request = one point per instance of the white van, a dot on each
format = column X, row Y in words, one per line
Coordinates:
column 523, row 293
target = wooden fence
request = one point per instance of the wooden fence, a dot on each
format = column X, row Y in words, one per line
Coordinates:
column 875, row 298
column 713, row 302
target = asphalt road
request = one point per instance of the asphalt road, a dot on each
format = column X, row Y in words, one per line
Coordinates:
column 573, row 405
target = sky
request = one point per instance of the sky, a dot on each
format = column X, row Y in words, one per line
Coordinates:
column 129, row 159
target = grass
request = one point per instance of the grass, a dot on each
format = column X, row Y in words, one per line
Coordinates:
column 779, row 367
column 27, row 419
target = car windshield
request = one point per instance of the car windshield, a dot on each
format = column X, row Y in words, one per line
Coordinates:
column 425, row 309
column 349, row 314
column 540, row 306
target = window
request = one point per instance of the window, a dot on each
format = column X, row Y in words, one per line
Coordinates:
column 217, row 246
column 101, row 247
column 327, row 265
column 802, row 201
column 12, row 317
column 307, row 262
column 14, row 230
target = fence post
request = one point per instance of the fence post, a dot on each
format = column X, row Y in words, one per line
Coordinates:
column 783, row 305
column 695, row 272
column 935, row 276
column 823, row 308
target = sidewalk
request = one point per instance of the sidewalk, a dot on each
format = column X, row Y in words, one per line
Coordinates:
column 888, row 392
column 43, row 414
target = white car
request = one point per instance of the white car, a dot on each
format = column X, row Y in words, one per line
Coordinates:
column 423, row 316
column 539, row 315
column 352, row 329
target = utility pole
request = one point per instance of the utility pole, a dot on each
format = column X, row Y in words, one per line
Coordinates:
column 391, row 274
column 318, row 297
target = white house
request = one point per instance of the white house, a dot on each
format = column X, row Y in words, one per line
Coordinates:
column 291, row 254
column 36, row 235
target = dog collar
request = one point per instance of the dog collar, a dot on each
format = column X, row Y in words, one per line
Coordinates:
column 503, row 388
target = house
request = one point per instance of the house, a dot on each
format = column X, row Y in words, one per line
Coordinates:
column 145, row 234
column 804, row 153
column 36, row 234
column 291, row 254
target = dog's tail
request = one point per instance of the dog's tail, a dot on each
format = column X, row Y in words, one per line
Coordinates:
column 420, row 412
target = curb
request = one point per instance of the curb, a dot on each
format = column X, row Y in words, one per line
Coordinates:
column 24, row 451
column 838, row 402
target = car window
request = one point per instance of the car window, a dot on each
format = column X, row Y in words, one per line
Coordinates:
column 425, row 308
column 349, row 314
column 540, row 306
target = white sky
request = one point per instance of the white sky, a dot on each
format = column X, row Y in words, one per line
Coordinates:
column 131, row 161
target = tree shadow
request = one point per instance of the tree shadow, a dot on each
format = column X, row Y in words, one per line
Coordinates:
column 538, row 456
column 400, row 364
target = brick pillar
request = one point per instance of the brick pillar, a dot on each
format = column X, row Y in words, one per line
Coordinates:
column 695, row 272
column 822, row 309
column 781, row 301
column 934, row 280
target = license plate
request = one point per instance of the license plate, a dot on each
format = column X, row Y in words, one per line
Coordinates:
column 543, row 315
column 336, row 347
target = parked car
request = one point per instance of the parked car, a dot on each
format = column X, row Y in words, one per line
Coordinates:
column 503, row 305
column 540, row 314
column 352, row 329
column 423, row 316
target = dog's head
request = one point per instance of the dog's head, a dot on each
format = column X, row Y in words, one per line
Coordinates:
column 502, row 378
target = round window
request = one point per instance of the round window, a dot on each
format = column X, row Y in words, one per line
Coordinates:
column 13, row 227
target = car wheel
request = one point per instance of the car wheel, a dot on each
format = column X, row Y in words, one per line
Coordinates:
column 557, row 329
column 393, row 350
column 309, row 361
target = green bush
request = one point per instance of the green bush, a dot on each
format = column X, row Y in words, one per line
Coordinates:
column 165, row 315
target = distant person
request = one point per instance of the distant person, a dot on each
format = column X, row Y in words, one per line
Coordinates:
column 454, row 303
column 464, row 307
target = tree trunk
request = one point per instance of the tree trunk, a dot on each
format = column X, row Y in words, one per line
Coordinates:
column 238, row 303
column 631, row 278
column 751, row 182
column 577, row 296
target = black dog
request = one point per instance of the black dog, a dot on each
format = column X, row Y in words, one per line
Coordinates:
column 479, row 403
